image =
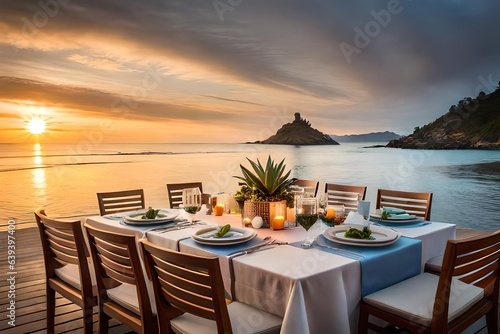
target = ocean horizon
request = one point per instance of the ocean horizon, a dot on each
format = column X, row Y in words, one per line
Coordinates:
column 64, row 178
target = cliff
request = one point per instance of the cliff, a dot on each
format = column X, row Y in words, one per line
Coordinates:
column 474, row 123
column 299, row 132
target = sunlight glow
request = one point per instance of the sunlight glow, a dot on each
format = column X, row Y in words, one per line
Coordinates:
column 36, row 126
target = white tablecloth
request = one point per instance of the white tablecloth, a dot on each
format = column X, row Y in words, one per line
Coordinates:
column 314, row 291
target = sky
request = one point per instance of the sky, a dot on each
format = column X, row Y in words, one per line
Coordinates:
column 236, row 70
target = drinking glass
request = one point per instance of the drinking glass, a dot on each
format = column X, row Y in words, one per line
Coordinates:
column 306, row 215
column 191, row 201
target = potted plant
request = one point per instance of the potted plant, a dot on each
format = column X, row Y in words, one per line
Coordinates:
column 264, row 185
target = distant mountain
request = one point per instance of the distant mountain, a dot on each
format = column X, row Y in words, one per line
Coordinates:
column 299, row 132
column 474, row 123
column 372, row 137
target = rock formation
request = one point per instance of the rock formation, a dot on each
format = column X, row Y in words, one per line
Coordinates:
column 299, row 132
column 474, row 123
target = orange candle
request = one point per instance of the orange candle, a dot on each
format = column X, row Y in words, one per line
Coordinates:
column 330, row 213
column 219, row 210
column 278, row 223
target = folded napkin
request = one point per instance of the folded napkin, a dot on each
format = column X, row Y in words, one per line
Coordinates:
column 401, row 215
column 354, row 218
column 394, row 211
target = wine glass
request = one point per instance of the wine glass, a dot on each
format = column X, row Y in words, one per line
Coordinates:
column 191, row 201
column 306, row 215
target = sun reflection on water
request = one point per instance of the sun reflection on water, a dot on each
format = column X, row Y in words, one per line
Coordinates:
column 38, row 173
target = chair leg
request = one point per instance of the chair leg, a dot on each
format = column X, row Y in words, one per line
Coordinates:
column 363, row 320
column 103, row 322
column 492, row 319
column 88, row 320
column 51, row 309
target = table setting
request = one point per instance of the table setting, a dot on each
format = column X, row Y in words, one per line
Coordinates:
column 393, row 217
column 272, row 270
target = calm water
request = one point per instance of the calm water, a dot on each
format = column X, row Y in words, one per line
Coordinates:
column 65, row 178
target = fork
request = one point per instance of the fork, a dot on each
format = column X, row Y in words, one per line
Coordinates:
column 321, row 243
column 178, row 225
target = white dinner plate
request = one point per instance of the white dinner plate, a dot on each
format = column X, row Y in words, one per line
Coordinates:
column 235, row 235
column 162, row 217
column 383, row 236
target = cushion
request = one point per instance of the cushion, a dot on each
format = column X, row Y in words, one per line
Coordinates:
column 70, row 274
column 434, row 264
column 125, row 295
column 244, row 319
column 414, row 298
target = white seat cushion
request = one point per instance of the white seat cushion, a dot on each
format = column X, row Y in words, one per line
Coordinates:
column 125, row 295
column 414, row 298
column 435, row 263
column 69, row 274
column 244, row 319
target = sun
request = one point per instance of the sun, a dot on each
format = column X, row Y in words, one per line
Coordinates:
column 36, row 125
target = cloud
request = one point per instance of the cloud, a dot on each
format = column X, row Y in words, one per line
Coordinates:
column 416, row 63
column 94, row 103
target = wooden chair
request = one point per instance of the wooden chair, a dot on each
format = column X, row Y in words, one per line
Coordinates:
column 175, row 192
column 465, row 291
column 67, row 267
column 345, row 194
column 120, row 201
column 418, row 204
column 193, row 284
column 308, row 184
column 123, row 293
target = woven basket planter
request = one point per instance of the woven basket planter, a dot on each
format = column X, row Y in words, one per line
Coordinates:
column 266, row 210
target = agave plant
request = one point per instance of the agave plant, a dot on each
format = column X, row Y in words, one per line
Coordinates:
column 270, row 183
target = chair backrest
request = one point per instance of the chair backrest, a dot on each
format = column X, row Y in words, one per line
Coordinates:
column 120, row 201
column 474, row 261
column 63, row 244
column 418, row 204
column 116, row 262
column 345, row 194
column 307, row 184
column 175, row 192
column 188, row 283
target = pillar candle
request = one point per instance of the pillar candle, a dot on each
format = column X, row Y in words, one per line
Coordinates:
column 278, row 223
column 330, row 213
column 219, row 210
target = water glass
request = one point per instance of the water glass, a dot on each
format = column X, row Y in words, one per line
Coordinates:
column 306, row 215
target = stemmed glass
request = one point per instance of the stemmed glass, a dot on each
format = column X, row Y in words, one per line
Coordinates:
column 306, row 215
column 191, row 201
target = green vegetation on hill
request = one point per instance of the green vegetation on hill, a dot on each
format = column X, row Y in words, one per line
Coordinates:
column 474, row 123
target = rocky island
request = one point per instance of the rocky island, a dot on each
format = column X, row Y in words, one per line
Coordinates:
column 299, row 132
column 474, row 123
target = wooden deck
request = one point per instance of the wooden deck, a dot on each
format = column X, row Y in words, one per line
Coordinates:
column 30, row 316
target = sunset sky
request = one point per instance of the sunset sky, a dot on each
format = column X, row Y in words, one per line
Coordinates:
column 236, row 70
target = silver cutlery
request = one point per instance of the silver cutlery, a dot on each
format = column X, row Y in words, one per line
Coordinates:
column 266, row 241
column 178, row 225
column 321, row 243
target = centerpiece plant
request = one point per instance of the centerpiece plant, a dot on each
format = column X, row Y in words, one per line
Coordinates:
column 269, row 183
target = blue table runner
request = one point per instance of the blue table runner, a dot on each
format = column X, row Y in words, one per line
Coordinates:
column 385, row 265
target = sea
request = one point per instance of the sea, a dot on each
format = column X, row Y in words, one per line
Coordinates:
column 64, row 178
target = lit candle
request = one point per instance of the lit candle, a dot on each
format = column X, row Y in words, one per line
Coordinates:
column 330, row 213
column 219, row 210
column 278, row 223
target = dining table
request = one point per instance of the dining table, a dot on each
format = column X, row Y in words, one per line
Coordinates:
column 315, row 289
